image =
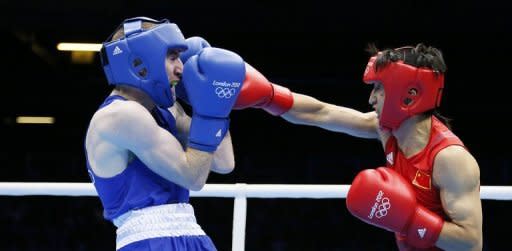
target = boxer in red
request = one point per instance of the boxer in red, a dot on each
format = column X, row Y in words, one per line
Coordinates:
column 428, row 193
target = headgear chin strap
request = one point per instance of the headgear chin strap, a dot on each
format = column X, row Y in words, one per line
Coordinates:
column 409, row 90
column 138, row 59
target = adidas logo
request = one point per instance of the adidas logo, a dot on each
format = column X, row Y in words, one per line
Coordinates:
column 116, row 51
column 422, row 232
column 219, row 133
column 389, row 158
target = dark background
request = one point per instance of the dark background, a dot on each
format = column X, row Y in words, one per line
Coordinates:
column 312, row 47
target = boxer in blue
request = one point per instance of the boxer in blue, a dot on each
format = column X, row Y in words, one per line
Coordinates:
column 144, row 153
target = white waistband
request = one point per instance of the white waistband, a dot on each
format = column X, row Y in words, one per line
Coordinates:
column 170, row 220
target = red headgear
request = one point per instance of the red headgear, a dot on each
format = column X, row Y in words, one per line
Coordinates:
column 409, row 90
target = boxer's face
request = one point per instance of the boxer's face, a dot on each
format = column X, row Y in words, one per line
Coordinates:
column 377, row 96
column 173, row 67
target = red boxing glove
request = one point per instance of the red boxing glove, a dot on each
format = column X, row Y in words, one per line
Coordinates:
column 383, row 198
column 258, row 92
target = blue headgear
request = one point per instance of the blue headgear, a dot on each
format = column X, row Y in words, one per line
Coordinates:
column 138, row 59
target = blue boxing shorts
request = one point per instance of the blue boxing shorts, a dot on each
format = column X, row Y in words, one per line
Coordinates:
column 192, row 243
column 163, row 227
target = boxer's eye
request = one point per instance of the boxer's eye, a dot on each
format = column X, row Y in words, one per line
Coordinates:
column 173, row 55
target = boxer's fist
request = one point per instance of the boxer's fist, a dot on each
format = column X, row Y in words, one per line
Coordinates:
column 212, row 80
column 383, row 198
column 258, row 92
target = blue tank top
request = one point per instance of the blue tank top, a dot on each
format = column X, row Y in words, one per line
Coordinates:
column 137, row 186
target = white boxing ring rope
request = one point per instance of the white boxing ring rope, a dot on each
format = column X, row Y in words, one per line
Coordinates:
column 239, row 191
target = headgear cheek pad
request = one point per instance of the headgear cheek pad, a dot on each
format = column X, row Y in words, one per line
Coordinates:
column 138, row 59
column 409, row 90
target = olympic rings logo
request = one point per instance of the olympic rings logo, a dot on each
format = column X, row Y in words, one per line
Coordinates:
column 382, row 209
column 224, row 92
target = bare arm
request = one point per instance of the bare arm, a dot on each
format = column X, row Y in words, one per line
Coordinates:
column 223, row 157
column 457, row 175
column 126, row 126
column 307, row 110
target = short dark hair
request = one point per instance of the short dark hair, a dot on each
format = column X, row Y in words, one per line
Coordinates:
column 417, row 56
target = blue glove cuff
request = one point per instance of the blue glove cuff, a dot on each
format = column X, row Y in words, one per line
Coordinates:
column 206, row 133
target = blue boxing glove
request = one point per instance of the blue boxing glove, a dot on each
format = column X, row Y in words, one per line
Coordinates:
column 195, row 45
column 212, row 80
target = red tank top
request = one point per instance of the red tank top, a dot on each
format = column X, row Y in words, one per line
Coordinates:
column 418, row 168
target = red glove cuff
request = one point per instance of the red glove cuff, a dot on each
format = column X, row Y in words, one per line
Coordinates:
column 425, row 228
column 282, row 100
